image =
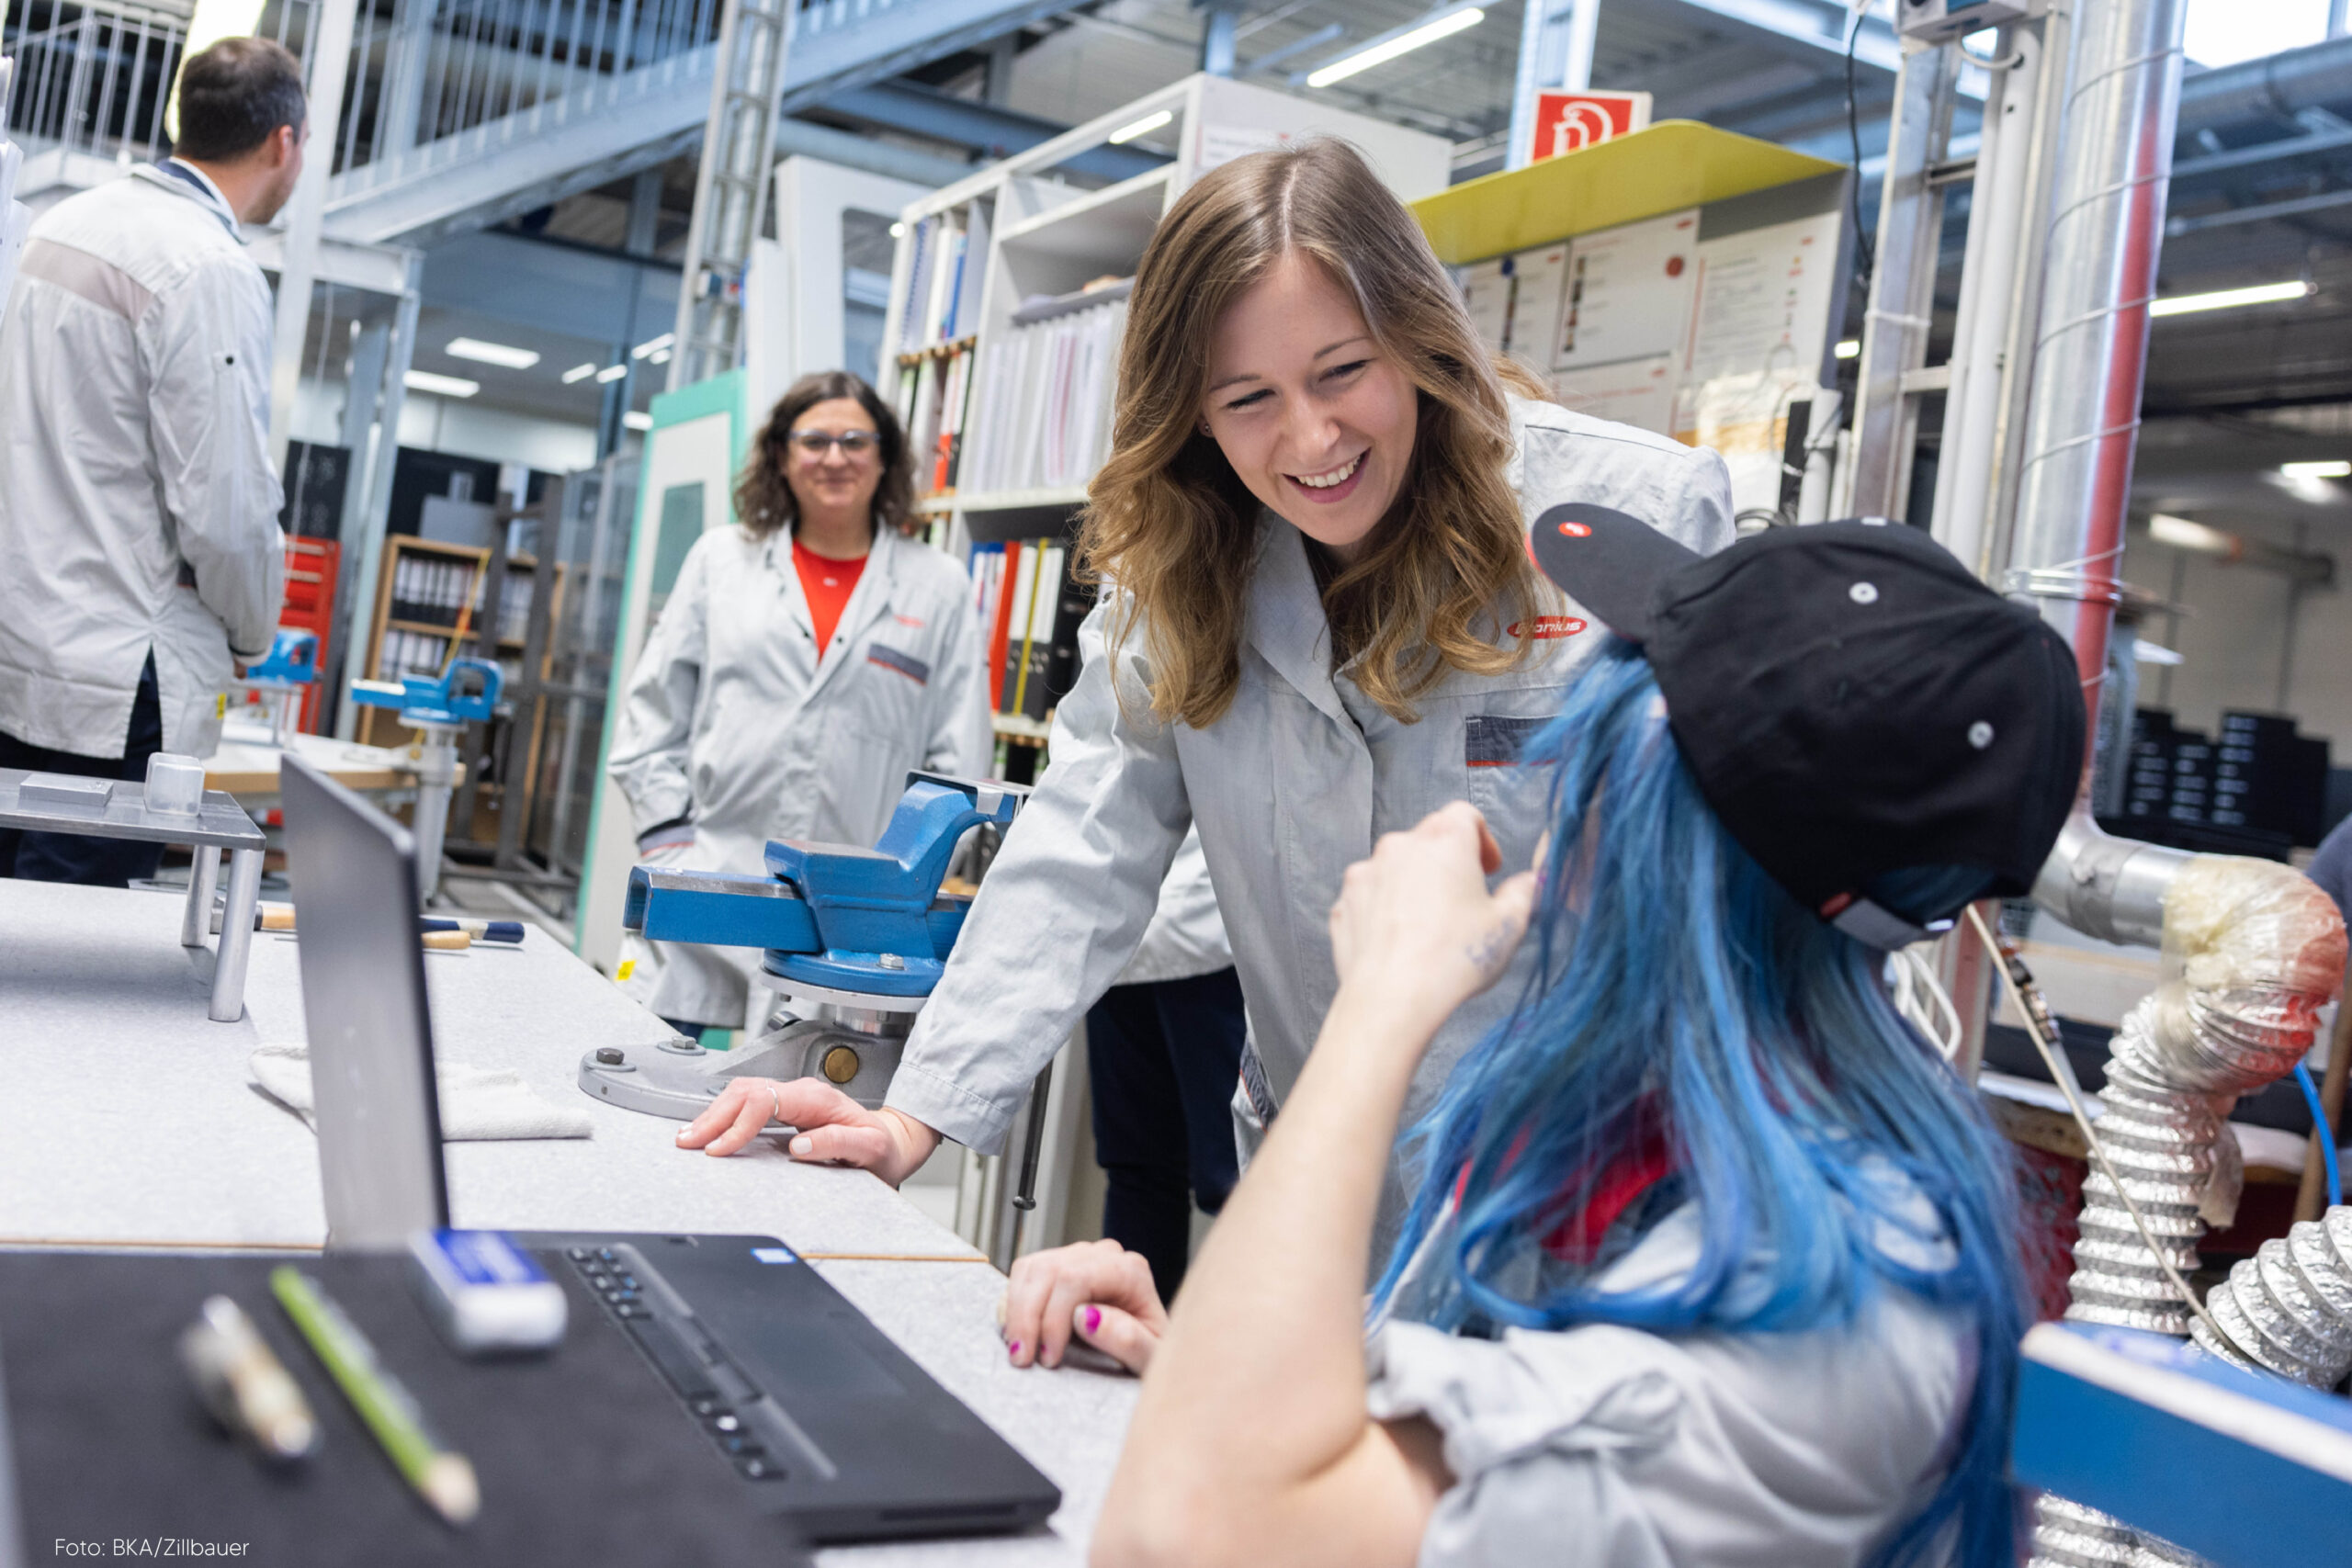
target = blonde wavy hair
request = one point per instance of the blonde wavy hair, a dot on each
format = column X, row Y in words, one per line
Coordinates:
column 1170, row 523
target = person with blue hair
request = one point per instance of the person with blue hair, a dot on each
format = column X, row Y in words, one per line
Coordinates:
column 1712, row 1257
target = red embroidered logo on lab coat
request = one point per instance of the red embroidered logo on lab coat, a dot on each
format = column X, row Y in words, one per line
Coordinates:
column 1550, row 626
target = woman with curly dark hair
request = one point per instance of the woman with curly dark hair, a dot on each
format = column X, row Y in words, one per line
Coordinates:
column 806, row 661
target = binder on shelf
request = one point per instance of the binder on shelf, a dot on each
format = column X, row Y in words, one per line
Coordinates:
column 1013, row 635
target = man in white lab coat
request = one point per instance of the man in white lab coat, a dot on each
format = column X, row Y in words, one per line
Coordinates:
column 138, row 507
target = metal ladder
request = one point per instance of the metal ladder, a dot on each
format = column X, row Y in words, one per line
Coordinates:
column 731, row 188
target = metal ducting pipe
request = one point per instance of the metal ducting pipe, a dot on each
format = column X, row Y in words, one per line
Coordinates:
column 2289, row 1307
column 2275, row 87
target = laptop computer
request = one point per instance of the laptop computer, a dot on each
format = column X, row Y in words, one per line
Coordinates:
column 826, row 1421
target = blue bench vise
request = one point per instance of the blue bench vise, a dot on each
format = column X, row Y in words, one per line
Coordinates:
column 856, row 937
column 466, row 693
column 438, row 707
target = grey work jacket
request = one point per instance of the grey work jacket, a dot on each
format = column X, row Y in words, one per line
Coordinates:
column 733, row 721
column 1289, row 788
column 138, row 506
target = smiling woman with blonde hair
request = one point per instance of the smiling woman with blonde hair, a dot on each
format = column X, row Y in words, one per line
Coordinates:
column 1319, row 624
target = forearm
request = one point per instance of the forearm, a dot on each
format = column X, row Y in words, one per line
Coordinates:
column 1255, row 1401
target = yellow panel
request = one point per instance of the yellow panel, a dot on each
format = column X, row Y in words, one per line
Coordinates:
column 1673, row 164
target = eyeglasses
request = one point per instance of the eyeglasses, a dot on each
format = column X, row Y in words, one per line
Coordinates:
column 815, row 444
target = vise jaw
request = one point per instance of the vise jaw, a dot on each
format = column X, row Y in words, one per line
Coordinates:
column 838, row 917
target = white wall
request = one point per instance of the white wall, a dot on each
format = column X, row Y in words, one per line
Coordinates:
column 464, row 430
column 2237, row 630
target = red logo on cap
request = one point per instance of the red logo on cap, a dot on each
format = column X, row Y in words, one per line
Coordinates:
column 1574, row 530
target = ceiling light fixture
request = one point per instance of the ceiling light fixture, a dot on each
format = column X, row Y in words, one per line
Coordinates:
column 653, row 345
column 1850, row 349
column 1148, row 123
column 2229, row 298
column 1382, row 50
column 2334, row 470
column 505, row 355
column 578, row 373
column 636, row 420
column 440, row 386
column 610, row 374
column 2183, row 534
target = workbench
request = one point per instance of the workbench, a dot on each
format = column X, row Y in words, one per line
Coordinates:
column 131, row 1121
column 246, row 766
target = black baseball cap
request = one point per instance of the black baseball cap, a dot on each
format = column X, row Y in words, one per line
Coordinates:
column 1851, row 699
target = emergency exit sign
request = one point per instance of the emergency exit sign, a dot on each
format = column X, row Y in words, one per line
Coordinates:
column 1568, row 122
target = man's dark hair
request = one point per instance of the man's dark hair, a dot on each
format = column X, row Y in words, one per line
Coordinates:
column 234, row 96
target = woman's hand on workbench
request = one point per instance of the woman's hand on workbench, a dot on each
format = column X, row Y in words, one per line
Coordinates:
column 1096, row 1290
column 830, row 1127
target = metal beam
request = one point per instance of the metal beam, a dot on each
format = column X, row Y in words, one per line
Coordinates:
column 2262, row 152
column 1817, row 29
column 541, row 154
column 986, row 128
column 2260, row 214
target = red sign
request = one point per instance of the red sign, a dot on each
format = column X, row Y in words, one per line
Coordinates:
column 1568, row 122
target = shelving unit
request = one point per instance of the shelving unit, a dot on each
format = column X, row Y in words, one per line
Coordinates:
column 440, row 640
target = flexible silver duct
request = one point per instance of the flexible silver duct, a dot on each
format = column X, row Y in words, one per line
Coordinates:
column 2252, row 951
column 2289, row 1307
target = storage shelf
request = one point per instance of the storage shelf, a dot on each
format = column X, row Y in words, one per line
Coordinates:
column 1003, row 501
column 1112, row 223
column 939, row 350
column 1021, row 728
column 1673, row 164
column 427, row 628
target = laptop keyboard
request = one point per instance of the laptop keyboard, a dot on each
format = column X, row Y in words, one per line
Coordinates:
column 611, row 1276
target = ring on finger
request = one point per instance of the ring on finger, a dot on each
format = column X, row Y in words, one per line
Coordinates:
column 775, row 1105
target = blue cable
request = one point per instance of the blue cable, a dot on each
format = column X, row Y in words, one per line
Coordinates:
column 2326, row 1135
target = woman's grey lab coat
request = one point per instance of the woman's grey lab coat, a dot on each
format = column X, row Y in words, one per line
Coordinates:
column 1288, row 789
column 732, row 721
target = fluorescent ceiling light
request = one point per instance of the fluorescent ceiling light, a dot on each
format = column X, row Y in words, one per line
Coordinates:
column 505, row 355
column 2337, row 470
column 440, row 386
column 207, row 24
column 611, row 373
column 636, row 420
column 1850, row 349
column 897, row 231
column 2146, row 652
column 2183, row 534
column 1382, row 51
column 659, row 356
column 578, row 373
column 1149, row 122
column 652, row 345
column 2229, row 298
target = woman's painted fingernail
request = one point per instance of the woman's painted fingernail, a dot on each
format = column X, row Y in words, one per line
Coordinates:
column 1013, row 1350
column 1093, row 1320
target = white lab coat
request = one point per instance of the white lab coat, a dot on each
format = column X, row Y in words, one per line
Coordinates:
column 1799, row 1450
column 1288, row 789
column 732, row 720
column 1186, row 937
column 138, row 507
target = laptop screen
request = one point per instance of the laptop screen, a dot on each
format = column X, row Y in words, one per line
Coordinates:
column 354, row 872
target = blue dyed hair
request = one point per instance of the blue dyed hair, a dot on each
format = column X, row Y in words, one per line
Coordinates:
column 1680, row 998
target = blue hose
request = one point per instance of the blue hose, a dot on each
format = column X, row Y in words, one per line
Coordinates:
column 2326, row 1135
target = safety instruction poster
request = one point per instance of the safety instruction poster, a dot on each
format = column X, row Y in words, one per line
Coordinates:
column 1629, row 291
column 1639, row 392
column 1764, row 299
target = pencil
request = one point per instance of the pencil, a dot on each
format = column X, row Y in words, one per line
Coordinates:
column 441, row 1476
